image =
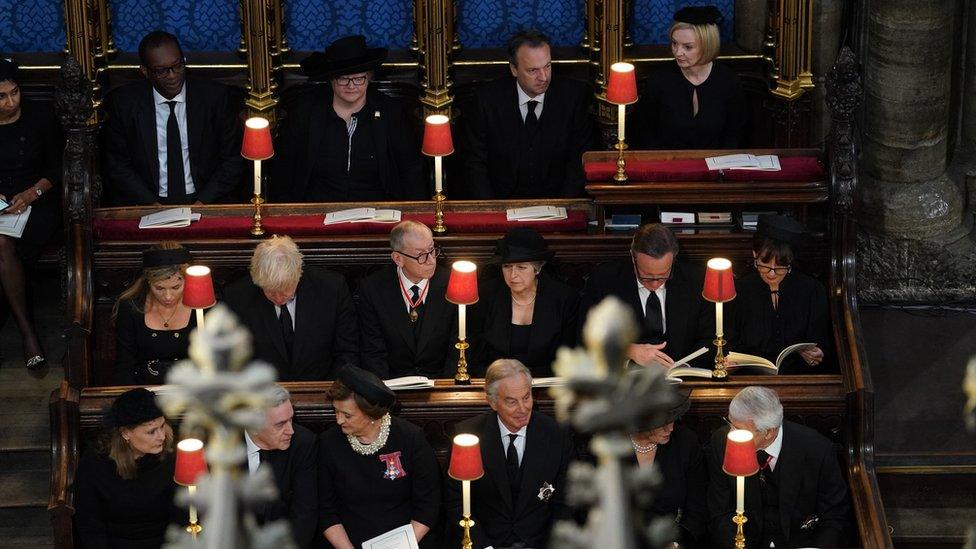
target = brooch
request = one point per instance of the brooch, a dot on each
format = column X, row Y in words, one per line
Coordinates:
column 376, row 115
column 546, row 492
column 394, row 469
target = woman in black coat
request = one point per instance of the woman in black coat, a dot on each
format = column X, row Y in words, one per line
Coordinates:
column 124, row 489
column 532, row 314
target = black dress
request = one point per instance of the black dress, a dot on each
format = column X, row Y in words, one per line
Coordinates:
column 681, row 495
column 31, row 149
column 143, row 355
column 554, row 324
column 663, row 117
column 802, row 317
column 358, row 492
column 115, row 513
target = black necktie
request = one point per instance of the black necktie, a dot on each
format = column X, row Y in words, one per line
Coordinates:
column 653, row 321
column 512, row 464
column 175, row 178
column 531, row 120
column 763, row 458
column 287, row 329
column 263, row 456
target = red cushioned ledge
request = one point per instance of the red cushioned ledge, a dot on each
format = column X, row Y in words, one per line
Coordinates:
column 311, row 225
column 793, row 168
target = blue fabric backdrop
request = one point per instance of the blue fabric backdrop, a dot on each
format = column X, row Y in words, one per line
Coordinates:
column 312, row 24
column 489, row 23
column 201, row 25
column 31, row 26
column 652, row 18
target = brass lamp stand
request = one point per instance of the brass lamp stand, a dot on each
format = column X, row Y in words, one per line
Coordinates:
column 621, row 175
column 439, row 228
column 719, row 373
column 466, row 523
column 257, row 230
column 740, row 537
column 461, row 377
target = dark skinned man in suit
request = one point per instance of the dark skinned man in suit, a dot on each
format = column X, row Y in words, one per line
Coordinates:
column 170, row 139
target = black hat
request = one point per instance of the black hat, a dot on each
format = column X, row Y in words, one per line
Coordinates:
column 522, row 244
column 698, row 15
column 347, row 55
column 133, row 407
column 160, row 258
column 8, row 69
column 671, row 415
column 782, row 228
column 368, row 386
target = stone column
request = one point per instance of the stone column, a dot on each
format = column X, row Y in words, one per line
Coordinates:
column 750, row 24
column 969, row 94
column 827, row 22
column 906, row 192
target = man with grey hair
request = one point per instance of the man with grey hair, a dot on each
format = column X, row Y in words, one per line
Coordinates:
column 290, row 450
column 408, row 327
column 302, row 320
column 525, row 455
column 665, row 295
column 798, row 498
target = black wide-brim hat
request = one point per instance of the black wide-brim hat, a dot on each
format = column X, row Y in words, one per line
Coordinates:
column 699, row 15
column 673, row 414
column 521, row 245
column 783, row 228
column 347, row 55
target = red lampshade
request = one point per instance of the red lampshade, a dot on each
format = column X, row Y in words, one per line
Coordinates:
column 622, row 87
column 198, row 290
column 466, row 458
column 190, row 462
column 437, row 136
column 462, row 287
column 740, row 454
column 719, row 283
column 257, row 139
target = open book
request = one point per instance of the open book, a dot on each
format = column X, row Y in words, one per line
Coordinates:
column 535, row 213
column 13, row 224
column 742, row 360
column 682, row 368
column 409, row 382
column 371, row 215
column 767, row 163
column 168, row 219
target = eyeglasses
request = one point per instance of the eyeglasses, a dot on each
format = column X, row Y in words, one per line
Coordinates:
column 354, row 80
column 177, row 68
column 652, row 279
column 766, row 269
column 422, row 258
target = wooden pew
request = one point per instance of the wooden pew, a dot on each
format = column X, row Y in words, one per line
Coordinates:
column 817, row 401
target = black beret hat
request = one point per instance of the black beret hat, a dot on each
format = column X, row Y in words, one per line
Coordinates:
column 133, row 407
column 8, row 69
column 368, row 386
column 698, row 15
column 161, row 258
column 672, row 414
column 782, row 228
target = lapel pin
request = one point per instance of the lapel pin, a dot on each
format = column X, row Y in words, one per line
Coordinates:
column 546, row 492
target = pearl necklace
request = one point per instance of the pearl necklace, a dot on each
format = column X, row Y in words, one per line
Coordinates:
column 643, row 448
column 520, row 304
column 372, row 447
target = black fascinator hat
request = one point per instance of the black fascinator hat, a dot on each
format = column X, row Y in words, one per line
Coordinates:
column 699, row 15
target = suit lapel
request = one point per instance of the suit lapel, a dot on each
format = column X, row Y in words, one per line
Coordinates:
column 675, row 306
column 533, row 464
column 377, row 126
column 272, row 327
column 435, row 305
column 305, row 312
column 788, row 467
column 394, row 297
column 495, row 459
column 628, row 287
column 513, row 118
column 146, row 117
column 194, row 125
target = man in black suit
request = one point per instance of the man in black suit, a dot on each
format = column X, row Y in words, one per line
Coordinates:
column 524, row 137
column 302, row 321
column 290, row 449
column 664, row 293
column 407, row 324
column 525, row 456
column 798, row 498
column 170, row 139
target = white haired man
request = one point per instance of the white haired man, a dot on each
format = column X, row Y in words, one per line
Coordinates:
column 525, row 455
column 291, row 452
column 798, row 499
column 302, row 320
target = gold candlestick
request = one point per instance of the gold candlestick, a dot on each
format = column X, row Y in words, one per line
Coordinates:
column 466, row 523
column 621, row 176
column 719, row 373
column 256, row 230
column 462, row 377
column 740, row 537
column 439, row 228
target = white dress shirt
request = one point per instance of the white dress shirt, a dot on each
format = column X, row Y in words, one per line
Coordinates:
column 662, row 294
column 253, row 455
column 774, row 449
column 291, row 310
column 162, row 117
column 519, row 442
column 407, row 284
column 524, row 99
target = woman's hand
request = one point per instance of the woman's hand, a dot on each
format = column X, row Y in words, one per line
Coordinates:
column 21, row 200
column 812, row 355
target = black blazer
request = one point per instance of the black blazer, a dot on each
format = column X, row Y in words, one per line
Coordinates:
column 296, row 476
column 326, row 337
column 399, row 161
column 549, row 450
column 491, row 151
column 131, row 151
column 554, row 324
column 810, row 485
column 388, row 344
column 689, row 319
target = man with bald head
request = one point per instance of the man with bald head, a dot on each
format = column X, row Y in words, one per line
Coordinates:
column 407, row 325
